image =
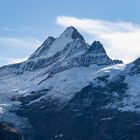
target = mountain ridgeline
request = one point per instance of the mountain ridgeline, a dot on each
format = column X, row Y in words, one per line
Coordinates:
column 70, row 90
column 69, row 47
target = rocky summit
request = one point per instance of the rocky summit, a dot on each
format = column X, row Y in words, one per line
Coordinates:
column 70, row 90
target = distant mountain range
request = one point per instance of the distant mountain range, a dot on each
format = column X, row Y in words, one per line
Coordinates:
column 70, row 90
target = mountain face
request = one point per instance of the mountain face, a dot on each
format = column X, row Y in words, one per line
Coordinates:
column 68, row 89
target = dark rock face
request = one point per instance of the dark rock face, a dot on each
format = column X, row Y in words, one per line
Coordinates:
column 85, row 116
column 135, row 68
column 9, row 133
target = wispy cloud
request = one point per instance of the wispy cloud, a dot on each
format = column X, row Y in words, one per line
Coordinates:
column 9, row 29
column 15, row 60
column 28, row 42
column 121, row 39
column 7, row 61
column 21, row 29
column 15, row 50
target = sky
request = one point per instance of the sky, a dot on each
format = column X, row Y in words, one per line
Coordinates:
column 25, row 24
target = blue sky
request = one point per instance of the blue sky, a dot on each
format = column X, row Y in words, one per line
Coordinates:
column 25, row 24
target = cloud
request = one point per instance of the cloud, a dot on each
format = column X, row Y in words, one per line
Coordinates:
column 15, row 60
column 28, row 42
column 9, row 29
column 15, row 50
column 21, row 29
column 121, row 39
column 11, row 60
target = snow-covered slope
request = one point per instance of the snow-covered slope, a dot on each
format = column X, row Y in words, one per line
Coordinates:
column 132, row 78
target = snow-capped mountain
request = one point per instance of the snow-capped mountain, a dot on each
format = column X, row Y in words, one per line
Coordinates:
column 68, row 89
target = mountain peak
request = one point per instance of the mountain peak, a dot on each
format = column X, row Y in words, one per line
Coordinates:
column 134, row 67
column 43, row 48
column 137, row 61
column 49, row 40
column 71, row 32
column 96, row 54
column 97, row 47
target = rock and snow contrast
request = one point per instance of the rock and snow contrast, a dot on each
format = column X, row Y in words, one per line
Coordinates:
column 68, row 89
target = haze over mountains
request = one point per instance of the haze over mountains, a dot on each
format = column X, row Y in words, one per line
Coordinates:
column 68, row 89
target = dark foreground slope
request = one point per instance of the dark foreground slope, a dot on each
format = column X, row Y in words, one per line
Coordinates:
column 9, row 133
